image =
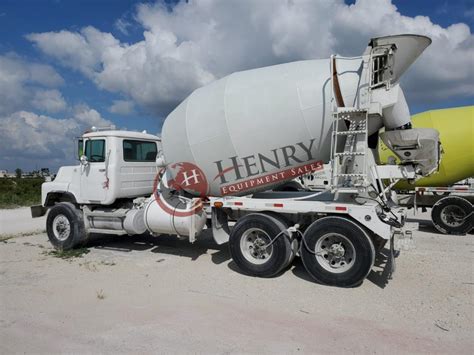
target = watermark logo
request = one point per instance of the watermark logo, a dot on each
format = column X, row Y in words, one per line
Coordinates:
column 272, row 178
column 188, row 177
column 180, row 177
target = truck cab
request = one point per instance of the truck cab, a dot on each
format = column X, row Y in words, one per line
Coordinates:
column 113, row 165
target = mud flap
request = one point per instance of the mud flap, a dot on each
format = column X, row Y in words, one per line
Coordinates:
column 220, row 226
column 401, row 240
column 37, row 211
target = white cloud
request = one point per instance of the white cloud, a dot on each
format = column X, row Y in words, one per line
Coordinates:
column 83, row 51
column 88, row 117
column 27, row 138
column 44, row 75
column 36, row 136
column 200, row 41
column 49, row 100
column 123, row 25
column 122, row 107
column 22, row 83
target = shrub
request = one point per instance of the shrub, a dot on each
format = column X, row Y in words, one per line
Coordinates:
column 15, row 192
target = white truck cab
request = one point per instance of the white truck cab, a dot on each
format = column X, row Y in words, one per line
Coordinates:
column 113, row 165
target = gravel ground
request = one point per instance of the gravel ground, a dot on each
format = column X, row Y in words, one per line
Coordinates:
column 18, row 221
column 145, row 294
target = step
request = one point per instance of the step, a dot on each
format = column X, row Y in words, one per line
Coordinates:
column 350, row 175
column 351, row 110
column 345, row 190
column 355, row 118
column 348, row 133
column 348, row 154
column 106, row 231
column 115, row 214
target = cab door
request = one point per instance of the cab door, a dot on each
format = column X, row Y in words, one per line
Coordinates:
column 94, row 182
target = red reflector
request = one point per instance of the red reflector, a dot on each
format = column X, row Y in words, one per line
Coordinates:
column 341, row 208
column 460, row 188
column 238, row 203
column 278, row 205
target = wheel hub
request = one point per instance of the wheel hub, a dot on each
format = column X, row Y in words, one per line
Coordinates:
column 453, row 215
column 259, row 248
column 61, row 227
column 335, row 252
column 254, row 246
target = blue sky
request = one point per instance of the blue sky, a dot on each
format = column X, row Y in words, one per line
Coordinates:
column 19, row 18
column 88, row 88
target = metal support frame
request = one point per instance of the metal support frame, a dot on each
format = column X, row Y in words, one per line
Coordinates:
column 366, row 214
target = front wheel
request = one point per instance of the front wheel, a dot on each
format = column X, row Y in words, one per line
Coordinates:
column 65, row 226
column 337, row 252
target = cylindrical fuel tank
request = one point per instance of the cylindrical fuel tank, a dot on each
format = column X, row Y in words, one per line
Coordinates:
column 251, row 129
column 162, row 218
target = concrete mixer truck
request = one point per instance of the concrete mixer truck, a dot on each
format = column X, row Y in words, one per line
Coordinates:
column 225, row 147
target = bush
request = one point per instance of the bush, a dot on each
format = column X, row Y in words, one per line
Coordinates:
column 16, row 192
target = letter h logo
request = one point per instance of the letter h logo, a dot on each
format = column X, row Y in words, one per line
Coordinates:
column 194, row 177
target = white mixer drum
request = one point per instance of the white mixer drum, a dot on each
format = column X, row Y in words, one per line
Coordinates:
column 257, row 128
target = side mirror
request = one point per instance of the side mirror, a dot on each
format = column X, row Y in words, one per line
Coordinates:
column 84, row 160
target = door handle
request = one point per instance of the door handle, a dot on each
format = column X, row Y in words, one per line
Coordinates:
column 101, row 170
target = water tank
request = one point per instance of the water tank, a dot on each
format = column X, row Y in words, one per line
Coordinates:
column 247, row 131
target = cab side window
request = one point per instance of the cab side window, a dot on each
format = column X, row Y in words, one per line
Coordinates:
column 139, row 151
column 95, row 150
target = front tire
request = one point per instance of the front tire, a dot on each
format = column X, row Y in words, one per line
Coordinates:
column 337, row 252
column 450, row 215
column 65, row 226
column 250, row 249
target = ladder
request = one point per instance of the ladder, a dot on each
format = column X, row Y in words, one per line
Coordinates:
column 349, row 149
column 348, row 141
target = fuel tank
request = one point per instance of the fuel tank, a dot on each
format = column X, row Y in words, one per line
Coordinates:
column 456, row 131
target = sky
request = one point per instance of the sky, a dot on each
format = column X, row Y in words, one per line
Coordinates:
column 66, row 65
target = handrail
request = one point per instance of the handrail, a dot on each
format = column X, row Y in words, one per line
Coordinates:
column 335, row 81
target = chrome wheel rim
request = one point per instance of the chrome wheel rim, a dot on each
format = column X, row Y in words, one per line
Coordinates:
column 453, row 215
column 253, row 245
column 61, row 227
column 335, row 253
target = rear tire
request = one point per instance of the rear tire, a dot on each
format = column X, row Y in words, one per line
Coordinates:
column 294, row 243
column 449, row 215
column 337, row 252
column 65, row 226
column 247, row 245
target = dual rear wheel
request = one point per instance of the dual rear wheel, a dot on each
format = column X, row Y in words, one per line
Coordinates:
column 453, row 215
column 337, row 251
column 259, row 246
column 334, row 250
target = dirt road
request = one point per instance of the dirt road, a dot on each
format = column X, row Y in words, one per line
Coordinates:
column 145, row 294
